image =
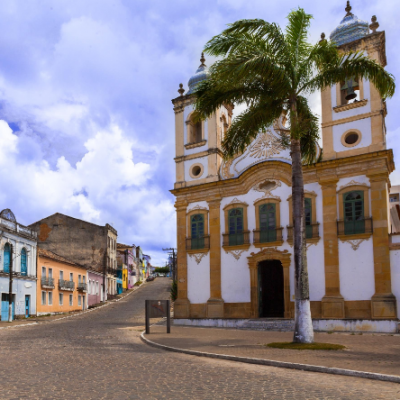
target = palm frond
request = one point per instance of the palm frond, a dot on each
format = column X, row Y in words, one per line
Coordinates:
column 246, row 126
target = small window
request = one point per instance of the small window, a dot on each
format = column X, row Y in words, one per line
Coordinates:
column 354, row 221
column 84, row 279
column 79, row 279
column 235, row 224
column 43, row 298
column 196, row 170
column 394, row 198
column 50, row 298
column 61, row 299
column 97, row 287
column 50, row 272
column 267, row 213
column 351, row 138
column 61, row 275
column 71, row 300
column 44, row 272
column 79, row 300
column 71, row 276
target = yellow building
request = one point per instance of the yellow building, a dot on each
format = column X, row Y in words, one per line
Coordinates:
column 62, row 284
column 234, row 222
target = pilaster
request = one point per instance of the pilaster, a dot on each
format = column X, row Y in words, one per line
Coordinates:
column 215, row 304
column 383, row 303
column 332, row 302
column 182, row 303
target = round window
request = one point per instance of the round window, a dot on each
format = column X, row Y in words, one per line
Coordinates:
column 351, row 138
column 196, row 170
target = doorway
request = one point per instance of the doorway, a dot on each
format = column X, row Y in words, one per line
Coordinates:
column 4, row 306
column 27, row 305
column 270, row 289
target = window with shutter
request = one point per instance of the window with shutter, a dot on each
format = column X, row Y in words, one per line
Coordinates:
column 197, row 231
column 7, row 257
column 267, row 215
column 353, row 204
column 308, row 217
column 24, row 268
column 235, row 224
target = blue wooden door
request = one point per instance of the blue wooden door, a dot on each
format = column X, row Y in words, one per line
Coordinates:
column 4, row 307
column 27, row 305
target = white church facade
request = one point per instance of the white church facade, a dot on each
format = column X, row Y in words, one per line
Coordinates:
column 235, row 247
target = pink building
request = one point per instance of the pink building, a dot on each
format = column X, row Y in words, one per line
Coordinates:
column 95, row 287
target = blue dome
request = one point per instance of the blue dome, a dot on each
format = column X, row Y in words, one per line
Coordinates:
column 201, row 74
column 350, row 28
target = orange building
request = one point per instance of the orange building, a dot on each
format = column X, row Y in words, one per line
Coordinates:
column 62, row 284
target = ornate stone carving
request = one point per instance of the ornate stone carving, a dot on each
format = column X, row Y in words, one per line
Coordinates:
column 197, row 208
column 235, row 253
column 355, row 244
column 267, row 186
column 269, row 253
column 267, row 196
column 265, row 145
column 352, row 183
column 236, row 201
column 197, row 256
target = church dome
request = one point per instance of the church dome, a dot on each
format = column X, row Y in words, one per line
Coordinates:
column 201, row 74
column 350, row 28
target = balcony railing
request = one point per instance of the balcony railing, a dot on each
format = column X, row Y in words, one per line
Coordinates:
column 267, row 235
column 354, row 227
column 82, row 287
column 312, row 231
column 236, row 239
column 112, row 271
column 202, row 242
column 66, row 285
column 47, row 283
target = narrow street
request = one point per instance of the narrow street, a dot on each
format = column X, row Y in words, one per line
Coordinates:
column 100, row 355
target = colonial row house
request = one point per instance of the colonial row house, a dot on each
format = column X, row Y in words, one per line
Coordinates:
column 86, row 244
column 62, row 284
column 234, row 217
column 18, row 245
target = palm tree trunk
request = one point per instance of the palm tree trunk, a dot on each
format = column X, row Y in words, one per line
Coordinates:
column 303, row 330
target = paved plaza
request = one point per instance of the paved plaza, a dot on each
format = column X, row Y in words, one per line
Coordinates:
column 100, row 355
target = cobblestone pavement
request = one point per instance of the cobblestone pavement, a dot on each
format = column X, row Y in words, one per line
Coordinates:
column 378, row 353
column 99, row 355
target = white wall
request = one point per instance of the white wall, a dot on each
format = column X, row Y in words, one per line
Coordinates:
column 363, row 125
column 395, row 275
column 188, row 164
column 198, row 279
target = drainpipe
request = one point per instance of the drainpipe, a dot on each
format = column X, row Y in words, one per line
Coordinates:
column 10, row 285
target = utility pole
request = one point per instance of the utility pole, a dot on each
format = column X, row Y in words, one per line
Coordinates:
column 172, row 252
column 10, row 284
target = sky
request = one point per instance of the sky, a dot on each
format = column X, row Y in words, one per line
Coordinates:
column 86, row 119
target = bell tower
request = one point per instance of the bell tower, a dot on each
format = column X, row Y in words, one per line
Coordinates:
column 353, row 113
column 198, row 153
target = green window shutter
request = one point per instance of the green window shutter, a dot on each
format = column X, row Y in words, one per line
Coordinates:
column 308, row 217
column 24, row 269
column 267, row 215
column 197, row 231
column 353, row 208
column 7, row 258
column 235, row 225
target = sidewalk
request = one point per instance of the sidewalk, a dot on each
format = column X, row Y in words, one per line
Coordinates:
column 377, row 353
column 37, row 320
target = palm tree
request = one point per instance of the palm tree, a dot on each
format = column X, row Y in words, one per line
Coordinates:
column 272, row 71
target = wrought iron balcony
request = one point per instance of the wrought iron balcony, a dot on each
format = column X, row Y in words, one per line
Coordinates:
column 236, row 239
column 267, row 235
column 202, row 242
column 312, row 231
column 66, row 285
column 355, row 227
column 47, row 283
column 82, row 287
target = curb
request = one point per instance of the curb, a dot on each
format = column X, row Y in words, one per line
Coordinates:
column 74, row 315
column 279, row 364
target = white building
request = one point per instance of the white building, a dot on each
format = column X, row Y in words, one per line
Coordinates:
column 17, row 250
column 235, row 254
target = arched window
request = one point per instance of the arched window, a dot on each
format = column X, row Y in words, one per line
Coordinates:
column 353, row 205
column 24, row 267
column 195, row 134
column 7, row 257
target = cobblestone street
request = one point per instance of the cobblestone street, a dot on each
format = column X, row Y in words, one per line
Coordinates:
column 100, row 355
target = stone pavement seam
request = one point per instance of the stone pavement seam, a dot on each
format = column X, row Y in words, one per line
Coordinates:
column 278, row 364
column 74, row 315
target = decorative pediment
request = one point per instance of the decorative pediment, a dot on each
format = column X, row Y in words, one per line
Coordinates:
column 236, row 201
column 236, row 253
column 352, row 183
column 197, row 256
column 197, row 208
column 270, row 253
column 267, row 186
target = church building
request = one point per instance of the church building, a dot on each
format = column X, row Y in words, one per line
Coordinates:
column 234, row 218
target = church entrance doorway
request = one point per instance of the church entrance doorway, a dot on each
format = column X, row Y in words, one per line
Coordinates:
column 270, row 289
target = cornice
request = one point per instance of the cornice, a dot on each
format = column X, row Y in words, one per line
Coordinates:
column 351, row 119
column 345, row 107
